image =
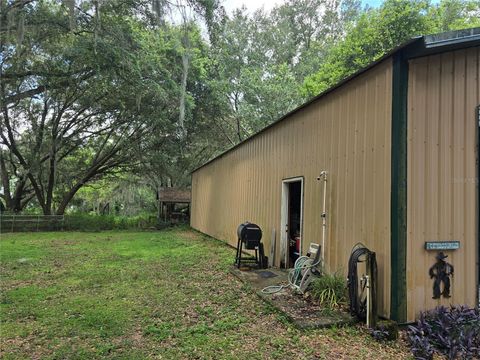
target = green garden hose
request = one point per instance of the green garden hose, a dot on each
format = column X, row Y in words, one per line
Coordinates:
column 293, row 275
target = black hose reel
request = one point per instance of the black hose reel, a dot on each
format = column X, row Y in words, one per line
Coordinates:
column 358, row 288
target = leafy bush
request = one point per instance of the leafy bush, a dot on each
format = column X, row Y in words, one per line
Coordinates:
column 330, row 290
column 87, row 222
column 453, row 332
column 82, row 222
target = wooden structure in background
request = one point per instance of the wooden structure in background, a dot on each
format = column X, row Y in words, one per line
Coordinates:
column 169, row 198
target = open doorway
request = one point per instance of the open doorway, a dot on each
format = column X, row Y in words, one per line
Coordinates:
column 292, row 221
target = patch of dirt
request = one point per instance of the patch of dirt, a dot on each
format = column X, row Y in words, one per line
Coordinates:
column 137, row 337
column 22, row 345
column 189, row 235
column 17, row 284
column 305, row 313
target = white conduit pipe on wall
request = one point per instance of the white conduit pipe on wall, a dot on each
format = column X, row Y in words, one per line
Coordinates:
column 323, row 176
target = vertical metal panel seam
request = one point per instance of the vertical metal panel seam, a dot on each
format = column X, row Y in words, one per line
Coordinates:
column 478, row 179
column 191, row 201
column 478, row 203
column 477, row 155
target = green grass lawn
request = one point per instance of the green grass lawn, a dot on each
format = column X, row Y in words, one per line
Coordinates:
column 139, row 295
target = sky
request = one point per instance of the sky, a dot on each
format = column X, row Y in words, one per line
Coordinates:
column 253, row 5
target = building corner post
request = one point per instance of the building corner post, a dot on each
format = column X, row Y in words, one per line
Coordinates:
column 398, row 201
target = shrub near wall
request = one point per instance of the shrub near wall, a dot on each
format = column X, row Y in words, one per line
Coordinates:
column 77, row 222
column 452, row 332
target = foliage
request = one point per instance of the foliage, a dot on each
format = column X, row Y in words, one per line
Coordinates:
column 80, row 222
column 68, row 115
column 330, row 290
column 385, row 330
column 379, row 333
column 146, row 295
column 95, row 92
column 16, row 190
column 453, row 332
column 166, row 158
column 125, row 195
column 86, row 222
column 379, row 30
column 260, row 60
column 87, row 91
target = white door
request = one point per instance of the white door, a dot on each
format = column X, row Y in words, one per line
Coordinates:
column 285, row 220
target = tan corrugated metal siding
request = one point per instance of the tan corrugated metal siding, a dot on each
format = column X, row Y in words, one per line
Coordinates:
column 346, row 133
column 442, row 175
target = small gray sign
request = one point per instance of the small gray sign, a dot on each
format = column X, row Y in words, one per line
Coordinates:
column 442, row 245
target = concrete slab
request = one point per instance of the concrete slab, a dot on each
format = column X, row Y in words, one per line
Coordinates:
column 303, row 313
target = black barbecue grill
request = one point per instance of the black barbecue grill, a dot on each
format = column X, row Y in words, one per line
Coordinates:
column 250, row 236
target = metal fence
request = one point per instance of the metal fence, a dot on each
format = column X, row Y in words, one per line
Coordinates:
column 20, row 223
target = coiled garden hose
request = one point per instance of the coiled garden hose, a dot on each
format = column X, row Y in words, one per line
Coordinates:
column 303, row 262
column 357, row 304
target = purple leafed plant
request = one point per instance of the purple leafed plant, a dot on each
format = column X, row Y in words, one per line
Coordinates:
column 453, row 332
column 386, row 330
column 379, row 334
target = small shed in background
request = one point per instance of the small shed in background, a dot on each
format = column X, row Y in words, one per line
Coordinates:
column 174, row 204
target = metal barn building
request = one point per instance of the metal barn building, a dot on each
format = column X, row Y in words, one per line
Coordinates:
column 399, row 143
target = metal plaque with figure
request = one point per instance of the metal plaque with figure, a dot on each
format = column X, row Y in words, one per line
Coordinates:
column 441, row 272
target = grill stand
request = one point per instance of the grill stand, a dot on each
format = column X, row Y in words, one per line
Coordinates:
column 259, row 259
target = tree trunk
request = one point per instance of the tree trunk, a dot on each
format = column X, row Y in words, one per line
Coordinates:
column 185, row 66
column 51, row 181
column 5, row 181
column 68, row 197
column 21, row 196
